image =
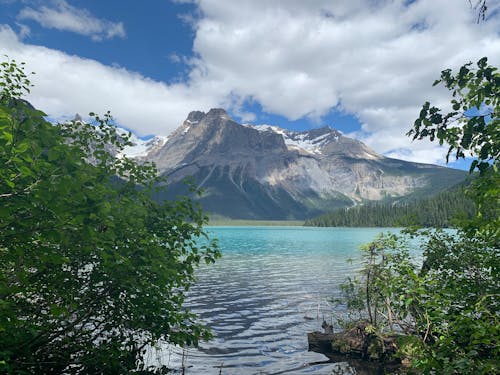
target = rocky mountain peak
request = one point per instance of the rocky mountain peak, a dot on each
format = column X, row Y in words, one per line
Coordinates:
column 318, row 132
column 217, row 112
column 313, row 142
column 195, row 116
column 213, row 114
column 204, row 122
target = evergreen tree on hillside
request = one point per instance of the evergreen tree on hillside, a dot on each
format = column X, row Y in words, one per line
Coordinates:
column 438, row 211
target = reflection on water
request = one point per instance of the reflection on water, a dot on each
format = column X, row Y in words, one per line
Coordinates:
column 271, row 287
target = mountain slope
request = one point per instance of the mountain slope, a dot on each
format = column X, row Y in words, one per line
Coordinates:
column 264, row 172
column 439, row 210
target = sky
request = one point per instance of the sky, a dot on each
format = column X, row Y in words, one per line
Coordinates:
column 364, row 67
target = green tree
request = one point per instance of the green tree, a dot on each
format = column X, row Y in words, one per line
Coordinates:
column 472, row 129
column 465, row 266
column 448, row 307
column 92, row 270
column 473, row 126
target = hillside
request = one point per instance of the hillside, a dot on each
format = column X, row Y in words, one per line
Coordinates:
column 440, row 210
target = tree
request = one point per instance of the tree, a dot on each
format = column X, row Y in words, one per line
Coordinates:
column 448, row 307
column 465, row 266
column 92, row 270
column 471, row 128
column 481, row 7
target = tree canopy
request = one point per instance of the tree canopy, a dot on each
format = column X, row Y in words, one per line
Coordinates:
column 93, row 271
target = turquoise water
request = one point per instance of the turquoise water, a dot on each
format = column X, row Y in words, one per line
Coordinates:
column 271, row 287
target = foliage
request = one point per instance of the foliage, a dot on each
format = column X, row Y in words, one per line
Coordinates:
column 471, row 128
column 374, row 295
column 93, row 271
column 473, row 125
column 13, row 81
column 440, row 210
column 449, row 308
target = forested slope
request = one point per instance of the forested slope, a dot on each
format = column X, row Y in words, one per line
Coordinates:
column 440, row 210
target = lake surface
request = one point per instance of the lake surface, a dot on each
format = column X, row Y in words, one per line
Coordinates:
column 271, row 287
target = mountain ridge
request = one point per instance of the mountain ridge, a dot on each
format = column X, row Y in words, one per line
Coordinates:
column 266, row 172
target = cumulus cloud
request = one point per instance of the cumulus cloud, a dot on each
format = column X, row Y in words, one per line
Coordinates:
column 65, row 85
column 375, row 60
column 63, row 16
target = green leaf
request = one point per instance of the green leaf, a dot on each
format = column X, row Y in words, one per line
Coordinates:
column 26, row 171
column 7, row 136
column 21, row 147
column 53, row 154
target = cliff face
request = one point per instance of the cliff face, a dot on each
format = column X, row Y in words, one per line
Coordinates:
column 264, row 172
column 214, row 139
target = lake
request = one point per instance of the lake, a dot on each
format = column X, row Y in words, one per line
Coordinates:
column 271, row 287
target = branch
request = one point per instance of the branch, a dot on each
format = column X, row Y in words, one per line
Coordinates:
column 427, row 329
column 24, row 191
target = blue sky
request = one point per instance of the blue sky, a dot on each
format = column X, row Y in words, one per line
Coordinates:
column 364, row 67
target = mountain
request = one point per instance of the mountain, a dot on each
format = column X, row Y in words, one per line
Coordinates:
column 265, row 172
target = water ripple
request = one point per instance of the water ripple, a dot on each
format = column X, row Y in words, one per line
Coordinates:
column 272, row 286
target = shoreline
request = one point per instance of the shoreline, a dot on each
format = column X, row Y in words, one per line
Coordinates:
column 252, row 223
column 277, row 223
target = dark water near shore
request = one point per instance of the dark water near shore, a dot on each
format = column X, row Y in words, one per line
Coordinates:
column 272, row 286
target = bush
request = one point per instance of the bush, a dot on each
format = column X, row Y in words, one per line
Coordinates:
column 92, row 270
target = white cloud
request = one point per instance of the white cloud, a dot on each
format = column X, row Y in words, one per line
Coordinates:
column 65, row 85
column 374, row 59
column 24, row 31
column 62, row 16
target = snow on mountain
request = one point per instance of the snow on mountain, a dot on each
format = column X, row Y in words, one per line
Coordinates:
column 309, row 141
column 141, row 148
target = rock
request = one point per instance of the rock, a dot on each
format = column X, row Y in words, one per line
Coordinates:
column 344, row 368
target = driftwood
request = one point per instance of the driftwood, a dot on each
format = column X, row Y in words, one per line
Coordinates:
column 320, row 342
column 356, row 342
